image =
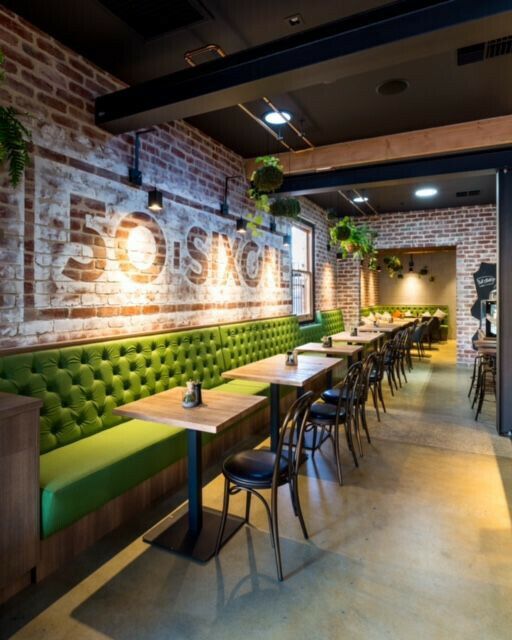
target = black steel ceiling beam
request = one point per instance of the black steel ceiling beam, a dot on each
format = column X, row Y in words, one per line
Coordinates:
column 325, row 181
column 246, row 75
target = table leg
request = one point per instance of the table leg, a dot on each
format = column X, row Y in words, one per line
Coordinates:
column 275, row 416
column 193, row 534
column 195, row 482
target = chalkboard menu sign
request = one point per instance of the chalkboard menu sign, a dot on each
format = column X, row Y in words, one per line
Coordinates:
column 485, row 282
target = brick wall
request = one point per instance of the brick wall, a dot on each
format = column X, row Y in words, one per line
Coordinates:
column 81, row 256
column 471, row 230
column 370, row 286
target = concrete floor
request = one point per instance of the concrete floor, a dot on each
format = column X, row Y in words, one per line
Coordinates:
column 416, row 545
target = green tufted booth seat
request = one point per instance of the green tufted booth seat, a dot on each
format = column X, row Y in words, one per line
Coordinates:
column 332, row 321
column 311, row 332
column 250, row 341
column 416, row 309
column 88, row 454
column 80, row 387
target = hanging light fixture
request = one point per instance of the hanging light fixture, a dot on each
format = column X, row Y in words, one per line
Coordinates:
column 379, row 268
column 411, row 264
column 155, row 200
column 287, row 240
column 241, row 225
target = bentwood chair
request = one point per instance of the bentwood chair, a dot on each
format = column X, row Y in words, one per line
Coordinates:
column 258, row 469
column 388, row 358
column 375, row 382
column 418, row 337
column 328, row 416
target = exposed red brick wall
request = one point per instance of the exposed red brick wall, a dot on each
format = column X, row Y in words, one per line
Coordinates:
column 80, row 254
column 471, row 230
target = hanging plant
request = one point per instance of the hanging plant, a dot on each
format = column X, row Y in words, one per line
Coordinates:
column 432, row 278
column 14, row 140
column 264, row 180
column 352, row 239
column 373, row 263
column 285, row 208
column 394, row 266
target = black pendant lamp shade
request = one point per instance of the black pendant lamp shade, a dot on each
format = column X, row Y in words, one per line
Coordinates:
column 241, row 225
column 155, row 200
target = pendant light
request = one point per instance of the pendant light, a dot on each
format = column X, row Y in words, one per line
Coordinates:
column 155, row 200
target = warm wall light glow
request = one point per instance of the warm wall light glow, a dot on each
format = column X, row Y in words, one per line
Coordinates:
column 141, row 248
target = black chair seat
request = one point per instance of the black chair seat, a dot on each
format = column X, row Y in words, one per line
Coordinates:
column 332, row 395
column 325, row 412
column 254, row 466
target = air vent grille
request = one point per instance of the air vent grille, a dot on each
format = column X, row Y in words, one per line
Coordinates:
column 484, row 50
column 152, row 18
column 465, row 194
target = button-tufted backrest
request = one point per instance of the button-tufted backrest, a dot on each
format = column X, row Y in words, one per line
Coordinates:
column 80, row 386
column 249, row 341
column 416, row 309
column 332, row 321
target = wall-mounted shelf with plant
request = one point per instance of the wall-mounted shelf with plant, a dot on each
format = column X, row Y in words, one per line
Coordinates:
column 354, row 240
column 14, row 140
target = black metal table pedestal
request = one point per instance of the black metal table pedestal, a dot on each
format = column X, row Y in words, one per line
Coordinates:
column 194, row 534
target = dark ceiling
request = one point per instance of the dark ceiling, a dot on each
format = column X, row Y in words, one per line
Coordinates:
column 152, row 37
column 453, row 191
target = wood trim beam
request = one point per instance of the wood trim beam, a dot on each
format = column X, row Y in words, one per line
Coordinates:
column 462, row 137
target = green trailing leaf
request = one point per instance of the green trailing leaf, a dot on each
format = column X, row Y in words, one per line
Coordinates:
column 285, row 208
column 254, row 223
column 14, row 140
column 264, row 180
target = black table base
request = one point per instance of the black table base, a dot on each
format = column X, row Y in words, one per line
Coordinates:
column 200, row 546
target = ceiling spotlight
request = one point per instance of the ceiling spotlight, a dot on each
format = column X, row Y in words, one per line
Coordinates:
column 425, row 192
column 360, row 199
column 241, row 225
column 392, row 87
column 277, row 117
column 287, row 240
column 155, row 200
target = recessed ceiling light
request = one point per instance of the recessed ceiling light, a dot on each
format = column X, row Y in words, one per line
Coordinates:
column 277, row 117
column 359, row 199
column 392, row 87
column 295, row 20
column 425, row 192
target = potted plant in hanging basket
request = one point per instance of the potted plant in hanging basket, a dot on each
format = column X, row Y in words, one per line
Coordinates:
column 394, row 266
column 14, row 140
column 373, row 263
column 264, row 180
column 352, row 239
column 285, row 208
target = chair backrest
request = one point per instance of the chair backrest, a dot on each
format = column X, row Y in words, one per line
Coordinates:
column 388, row 352
column 292, row 433
column 350, row 384
column 370, row 363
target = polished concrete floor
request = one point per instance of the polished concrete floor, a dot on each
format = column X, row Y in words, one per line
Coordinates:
column 416, row 545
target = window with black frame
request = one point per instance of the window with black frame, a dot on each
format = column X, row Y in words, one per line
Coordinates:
column 302, row 271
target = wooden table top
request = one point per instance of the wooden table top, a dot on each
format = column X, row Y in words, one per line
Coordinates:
column 276, row 371
column 218, row 411
column 382, row 327
column 367, row 338
column 335, row 350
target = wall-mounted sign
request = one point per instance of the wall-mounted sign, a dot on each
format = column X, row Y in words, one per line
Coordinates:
column 485, row 282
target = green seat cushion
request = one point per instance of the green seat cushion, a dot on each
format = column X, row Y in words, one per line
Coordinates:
column 86, row 474
column 246, row 388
